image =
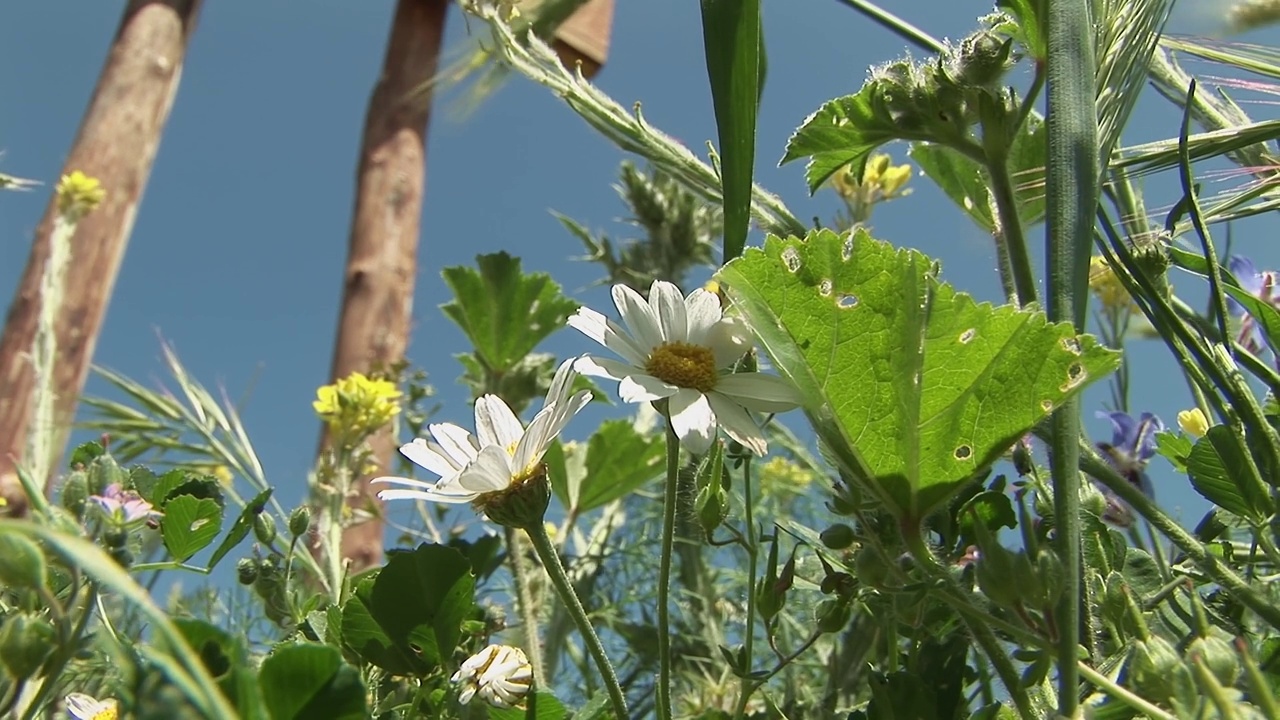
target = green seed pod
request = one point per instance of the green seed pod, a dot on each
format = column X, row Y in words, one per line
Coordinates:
column 21, row 562
column 1157, row 671
column 264, row 528
column 300, row 521
column 1049, row 573
column 103, row 472
column 870, row 568
column 75, row 492
column 833, row 614
column 711, row 507
column 522, row 505
column 246, row 571
column 1218, row 656
column 837, row 537
column 25, row 642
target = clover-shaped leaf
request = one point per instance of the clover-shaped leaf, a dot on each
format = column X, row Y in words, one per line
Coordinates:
column 913, row 386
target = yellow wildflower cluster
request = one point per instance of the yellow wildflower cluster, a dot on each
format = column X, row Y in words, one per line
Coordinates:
column 357, row 405
column 1107, row 287
column 78, row 194
column 782, row 477
column 1193, row 422
column 880, row 181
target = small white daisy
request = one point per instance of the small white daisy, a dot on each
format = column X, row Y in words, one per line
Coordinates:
column 500, row 674
column 505, row 453
column 675, row 348
column 86, row 707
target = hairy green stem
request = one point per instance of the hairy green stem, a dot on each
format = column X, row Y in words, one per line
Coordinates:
column 1071, row 190
column 1010, row 231
column 564, row 588
column 669, row 500
column 748, row 640
column 913, row 535
column 528, row 608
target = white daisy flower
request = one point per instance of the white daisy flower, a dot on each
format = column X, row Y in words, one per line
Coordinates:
column 86, row 707
column 504, row 455
column 675, row 348
column 500, row 674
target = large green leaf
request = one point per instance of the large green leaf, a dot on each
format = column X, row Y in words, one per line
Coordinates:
column 619, row 460
column 1218, row 468
column 541, row 705
column 504, row 311
column 189, row 524
column 913, row 386
column 407, row 618
column 1028, row 27
column 311, row 682
column 734, row 46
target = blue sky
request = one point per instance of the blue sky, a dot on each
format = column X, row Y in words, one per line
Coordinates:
column 238, row 251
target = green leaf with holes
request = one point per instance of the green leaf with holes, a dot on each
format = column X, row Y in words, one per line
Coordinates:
column 913, row 386
column 189, row 524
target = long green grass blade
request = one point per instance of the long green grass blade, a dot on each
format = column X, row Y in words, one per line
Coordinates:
column 732, row 36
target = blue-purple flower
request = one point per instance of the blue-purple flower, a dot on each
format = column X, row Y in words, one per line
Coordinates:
column 123, row 508
column 1133, row 443
column 1260, row 284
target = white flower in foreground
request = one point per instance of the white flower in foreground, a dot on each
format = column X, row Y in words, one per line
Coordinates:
column 674, row 348
column 85, row 707
column 505, row 456
column 500, row 674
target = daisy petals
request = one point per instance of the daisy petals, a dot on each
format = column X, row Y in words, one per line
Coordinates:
column 644, row 388
column 759, row 392
column 667, row 304
column 693, row 420
column 738, row 424
column 638, row 316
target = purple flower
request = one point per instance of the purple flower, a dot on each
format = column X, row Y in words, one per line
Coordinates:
column 123, row 507
column 1261, row 285
column 1133, row 443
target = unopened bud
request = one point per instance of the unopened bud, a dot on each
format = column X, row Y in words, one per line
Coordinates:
column 264, row 528
column 75, row 493
column 300, row 521
column 1156, row 670
column 25, row 642
column 837, row 537
column 1218, row 656
column 21, row 562
column 247, row 571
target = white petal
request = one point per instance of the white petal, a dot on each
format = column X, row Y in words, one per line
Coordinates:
column 466, row 693
column 703, row 309
column 759, row 392
column 489, row 473
column 667, row 304
column 410, row 482
column 543, row 430
column 398, row 494
column 430, row 456
column 729, row 339
column 561, row 384
column 638, row 317
column 693, row 420
column 738, row 423
column 457, row 444
column 644, row 388
column 607, row 333
column 496, row 424
column 593, row 366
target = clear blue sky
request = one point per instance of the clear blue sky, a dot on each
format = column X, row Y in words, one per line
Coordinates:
column 238, row 251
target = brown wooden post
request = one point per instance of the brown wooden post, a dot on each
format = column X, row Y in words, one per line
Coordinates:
column 584, row 37
column 116, row 144
column 377, row 300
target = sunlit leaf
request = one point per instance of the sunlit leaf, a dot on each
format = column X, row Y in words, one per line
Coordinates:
column 311, row 682
column 1218, row 468
column 242, row 526
column 189, row 525
column 912, row 386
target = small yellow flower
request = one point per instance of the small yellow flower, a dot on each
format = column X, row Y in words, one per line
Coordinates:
column 87, row 707
column 1106, row 286
column 1193, row 422
column 784, row 477
column 357, row 405
column 78, row 194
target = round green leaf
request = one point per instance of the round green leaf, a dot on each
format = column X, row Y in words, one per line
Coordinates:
column 311, row 682
column 189, row 524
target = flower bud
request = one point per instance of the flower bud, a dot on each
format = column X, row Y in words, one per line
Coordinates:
column 1193, row 422
column 870, row 567
column 837, row 537
column 500, row 674
column 21, row 562
column 104, row 472
column 25, row 642
column 264, row 528
column 711, row 507
column 300, row 521
column 983, row 59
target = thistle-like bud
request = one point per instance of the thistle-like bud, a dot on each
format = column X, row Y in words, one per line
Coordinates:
column 75, row 492
column 983, row 59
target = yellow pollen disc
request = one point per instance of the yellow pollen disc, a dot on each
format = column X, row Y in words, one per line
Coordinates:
column 684, row 365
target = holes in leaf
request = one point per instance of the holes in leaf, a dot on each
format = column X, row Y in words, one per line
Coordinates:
column 845, row 302
column 791, row 259
column 967, row 336
column 1071, row 345
column 846, row 250
column 824, row 288
column 963, row 452
column 1076, row 374
column 1046, row 405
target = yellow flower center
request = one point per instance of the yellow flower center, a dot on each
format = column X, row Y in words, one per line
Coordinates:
column 684, row 365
